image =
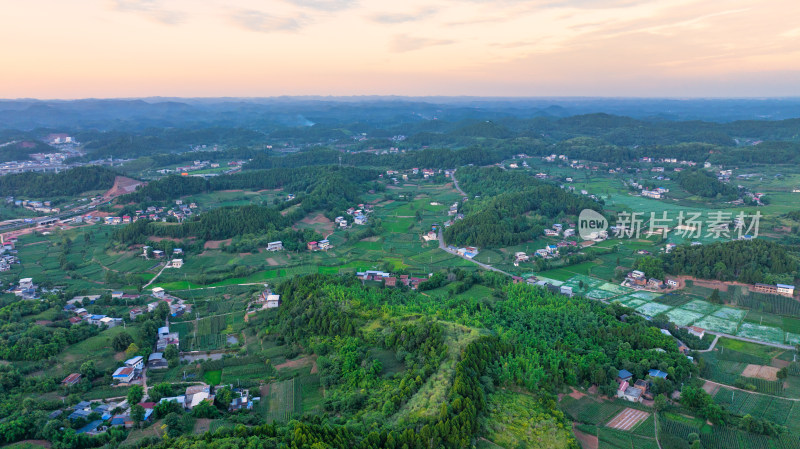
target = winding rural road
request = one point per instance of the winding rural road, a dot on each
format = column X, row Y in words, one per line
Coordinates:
column 443, row 246
column 455, row 184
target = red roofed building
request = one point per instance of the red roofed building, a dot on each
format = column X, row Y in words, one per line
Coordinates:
column 75, row 320
column 391, row 281
column 72, row 379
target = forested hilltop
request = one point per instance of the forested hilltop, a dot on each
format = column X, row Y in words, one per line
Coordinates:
column 70, row 182
column 518, row 214
column 534, row 345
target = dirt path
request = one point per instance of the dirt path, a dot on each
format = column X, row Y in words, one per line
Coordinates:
column 747, row 391
column 586, row 441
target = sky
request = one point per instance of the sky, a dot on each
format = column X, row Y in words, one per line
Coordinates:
column 245, row 48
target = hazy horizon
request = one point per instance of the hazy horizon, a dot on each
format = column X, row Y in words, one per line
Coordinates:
column 503, row 48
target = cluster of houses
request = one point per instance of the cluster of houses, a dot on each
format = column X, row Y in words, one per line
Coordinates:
column 557, row 229
column 637, row 279
column 193, row 396
column 275, row 246
column 468, row 252
column 86, row 409
column 197, row 394
column 7, row 259
column 322, row 245
column 130, row 371
column 82, row 315
column 359, row 215
column 26, row 289
column 180, row 212
column 777, row 289
column 390, row 281
column 268, row 299
column 177, row 306
column 425, row 172
column 432, row 234
column 36, row 206
column 159, row 254
column 656, row 194
column 7, row 256
column 166, row 338
column 638, row 390
column 563, row 289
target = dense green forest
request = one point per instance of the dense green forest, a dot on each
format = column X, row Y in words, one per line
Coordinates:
column 70, row 182
column 747, row 261
column 700, row 182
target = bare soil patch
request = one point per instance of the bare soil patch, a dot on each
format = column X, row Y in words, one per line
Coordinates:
column 316, row 219
column 779, row 363
column 627, row 419
column 575, row 394
column 158, row 239
column 761, row 372
column 122, row 185
column 374, row 238
column 711, row 388
column 272, row 262
column 587, row 441
column 296, row 363
column 216, row 244
column 232, row 190
column 319, row 219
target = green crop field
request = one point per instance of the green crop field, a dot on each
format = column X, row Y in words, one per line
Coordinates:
column 683, row 317
column 589, row 410
column 284, row 400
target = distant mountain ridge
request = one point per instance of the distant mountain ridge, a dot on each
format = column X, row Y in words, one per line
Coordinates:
column 277, row 112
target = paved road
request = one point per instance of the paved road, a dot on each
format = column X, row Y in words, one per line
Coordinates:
column 156, row 276
column 444, row 247
column 750, row 340
column 713, row 343
column 455, row 184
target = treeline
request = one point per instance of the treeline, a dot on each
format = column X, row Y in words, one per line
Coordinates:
column 700, row 182
column 747, row 261
column 69, row 182
column 216, row 224
column 424, row 158
column 163, row 140
column 295, row 180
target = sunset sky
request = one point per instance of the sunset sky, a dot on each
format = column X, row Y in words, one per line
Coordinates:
column 209, row 48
